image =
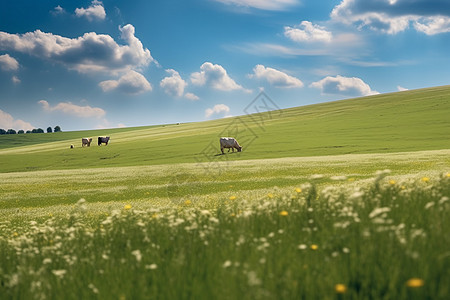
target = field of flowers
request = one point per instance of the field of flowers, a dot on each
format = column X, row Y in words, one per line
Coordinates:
column 387, row 239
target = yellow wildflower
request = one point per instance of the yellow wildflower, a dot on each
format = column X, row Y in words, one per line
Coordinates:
column 232, row 198
column 425, row 179
column 392, row 182
column 314, row 247
column 187, row 202
column 340, row 288
column 270, row 195
column 415, row 283
column 127, row 207
column 298, row 190
column 284, row 213
column 448, row 174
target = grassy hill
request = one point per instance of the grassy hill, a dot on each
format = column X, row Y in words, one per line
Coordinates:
column 405, row 121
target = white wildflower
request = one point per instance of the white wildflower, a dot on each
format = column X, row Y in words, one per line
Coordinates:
column 93, row 288
column 253, row 279
column 302, row 247
column 378, row 211
column 137, row 254
column 47, row 261
column 59, row 273
column 227, row 264
column 151, row 267
column 429, row 205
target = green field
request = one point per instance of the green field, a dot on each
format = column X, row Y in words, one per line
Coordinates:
column 303, row 212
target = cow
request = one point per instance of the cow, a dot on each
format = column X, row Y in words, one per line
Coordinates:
column 86, row 142
column 230, row 143
column 103, row 139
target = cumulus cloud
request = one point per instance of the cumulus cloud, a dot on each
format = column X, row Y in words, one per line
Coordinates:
column 173, row 85
column 58, row 10
column 73, row 109
column 394, row 16
column 91, row 52
column 95, row 11
column 217, row 110
column 191, row 96
column 275, row 77
column 308, row 32
column 8, row 63
column 131, row 83
column 8, row 122
column 216, row 77
column 339, row 85
column 262, row 4
column 15, row 80
column 401, row 89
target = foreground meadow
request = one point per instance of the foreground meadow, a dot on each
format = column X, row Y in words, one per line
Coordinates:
column 385, row 240
column 309, row 228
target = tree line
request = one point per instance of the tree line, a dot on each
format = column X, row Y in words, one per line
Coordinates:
column 36, row 130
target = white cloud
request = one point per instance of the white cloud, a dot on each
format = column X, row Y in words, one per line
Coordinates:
column 16, row 80
column 433, row 25
column 8, row 63
column 58, row 10
column 216, row 77
column 91, row 52
column 8, row 122
column 392, row 16
column 276, row 77
column 216, row 110
column 262, row 4
column 95, row 11
column 74, row 110
column 308, row 32
column 173, row 85
column 191, row 96
column 339, row 85
column 131, row 83
column 401, row 89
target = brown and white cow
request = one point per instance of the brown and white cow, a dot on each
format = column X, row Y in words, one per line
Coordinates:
column 86, row 142
column 103, row 139
column 230, row 143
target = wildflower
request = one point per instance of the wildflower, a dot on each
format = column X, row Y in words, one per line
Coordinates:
column 93, row 288
column 284, row 213
column 447, row 175
column 298, row 190
column 415, row 283
column 302, row 247
column 340, row 288
column 314, row 247
column 137, row 253
column 127, row 207
column 425, row 179
column 392, row 182
column 378, row 211
column 187, row 202
column 151, row 267
column 232, row 198
column 270, row 195
column 59, row 273
column 226, row 264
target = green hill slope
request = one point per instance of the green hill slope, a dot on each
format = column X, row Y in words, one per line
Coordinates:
column 405, row 121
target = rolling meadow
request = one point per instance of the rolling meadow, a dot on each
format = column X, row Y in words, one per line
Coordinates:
column 340, row 200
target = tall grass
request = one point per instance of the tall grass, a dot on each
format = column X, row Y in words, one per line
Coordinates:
column 386, row 241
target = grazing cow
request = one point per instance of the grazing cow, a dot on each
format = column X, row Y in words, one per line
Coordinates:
column 230, row 143
column 86, row 142
column 103, row 139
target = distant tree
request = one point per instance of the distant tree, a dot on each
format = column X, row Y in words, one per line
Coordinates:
column 49, row 130
column 11, row 131
column 20, row 132
column 40, row 130
column 2, row 131
column 29, row 131
column 57, row 129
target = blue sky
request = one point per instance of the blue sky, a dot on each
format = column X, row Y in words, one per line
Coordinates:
column 102, row 64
